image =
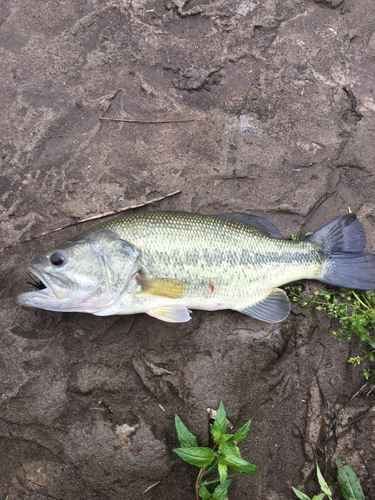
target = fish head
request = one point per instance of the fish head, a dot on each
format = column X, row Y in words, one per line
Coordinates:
column 85, row 275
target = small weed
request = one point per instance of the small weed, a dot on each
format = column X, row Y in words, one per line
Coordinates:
column 347, row 480
column 349, row 484
column 323, row 486
column 355, row 311
column 217, row 460
column 294, row 238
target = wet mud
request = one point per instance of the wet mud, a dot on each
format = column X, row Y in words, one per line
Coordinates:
column 281, row 98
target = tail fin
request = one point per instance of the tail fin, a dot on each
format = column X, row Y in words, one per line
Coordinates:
column 347, row 264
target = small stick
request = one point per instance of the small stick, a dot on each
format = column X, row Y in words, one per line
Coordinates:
column 368, row 471
column 145, row 121
column 351, row 423
column 99, row 216
column 150, row 487
column 2, row 155
column 329, row 433
column 321, row 393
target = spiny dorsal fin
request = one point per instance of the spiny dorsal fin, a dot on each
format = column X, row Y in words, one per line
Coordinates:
column 163, row 287
column 256, row 222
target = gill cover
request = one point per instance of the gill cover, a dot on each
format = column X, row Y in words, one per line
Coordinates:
column 119, row 257
column 86, row 275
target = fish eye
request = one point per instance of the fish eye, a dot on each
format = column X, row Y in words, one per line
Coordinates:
column 57, row 259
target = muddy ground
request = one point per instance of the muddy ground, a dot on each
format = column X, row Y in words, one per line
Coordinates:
column 273, row 133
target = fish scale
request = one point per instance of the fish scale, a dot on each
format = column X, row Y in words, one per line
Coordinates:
column 203, row 250
column 165, row 263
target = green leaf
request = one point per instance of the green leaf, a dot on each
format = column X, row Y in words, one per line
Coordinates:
column 204, row 493
column 185, row 437
column 319, row 497
column 300, row 495
column 323, row 485
column 229, row 449
column 221, row 490
column 201, row 457
column 240, row 464
column 212, row 469
column 220, row 424
column 223, row 471
column 349, row 483
column 241, row 434
column 217, row 434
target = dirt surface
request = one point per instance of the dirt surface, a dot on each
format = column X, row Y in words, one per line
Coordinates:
column 273, row 134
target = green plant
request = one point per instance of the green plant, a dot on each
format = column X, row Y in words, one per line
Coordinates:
column 355, row 311
column 349, row 483
column 294, row 238
column 347, row 480
column 323, row 486
column 224, row 454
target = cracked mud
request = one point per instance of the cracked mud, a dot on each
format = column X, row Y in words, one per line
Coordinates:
column 88, row 403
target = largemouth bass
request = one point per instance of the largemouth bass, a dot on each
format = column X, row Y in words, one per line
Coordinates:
column 165, row 263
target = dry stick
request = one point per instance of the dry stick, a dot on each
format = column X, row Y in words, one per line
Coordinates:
column 99, row 216
column 322, row 394
column 328, row 435
column 145, row 121
column 351, row 423
column 365, row 464
column 309, row 442
column 150, row 487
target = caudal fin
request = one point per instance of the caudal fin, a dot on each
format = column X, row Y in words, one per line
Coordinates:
column 347, row 264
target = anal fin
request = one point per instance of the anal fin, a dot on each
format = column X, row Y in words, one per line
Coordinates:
column 272, row 309
column 171, row 314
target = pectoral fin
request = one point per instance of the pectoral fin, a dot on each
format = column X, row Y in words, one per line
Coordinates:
column 170, row 314
column 273, row 309
column 174, row 289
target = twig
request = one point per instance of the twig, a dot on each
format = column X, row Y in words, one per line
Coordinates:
column 367, row 469
column 321, row 393
column 144, row 121
column 150, row 487
column 307, row 440
column 99, row 216
column 370, row 391
column 351, row 423
column 363, row 385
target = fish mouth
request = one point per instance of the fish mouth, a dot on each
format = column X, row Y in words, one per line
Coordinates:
column 50, row 290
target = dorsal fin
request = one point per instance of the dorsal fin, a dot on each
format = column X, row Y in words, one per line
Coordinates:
column 256, row 222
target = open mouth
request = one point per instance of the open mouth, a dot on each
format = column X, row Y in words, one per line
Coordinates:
column 37, row 284
column 47, row 286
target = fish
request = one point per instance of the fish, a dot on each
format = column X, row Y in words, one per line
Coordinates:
column 165, row 264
